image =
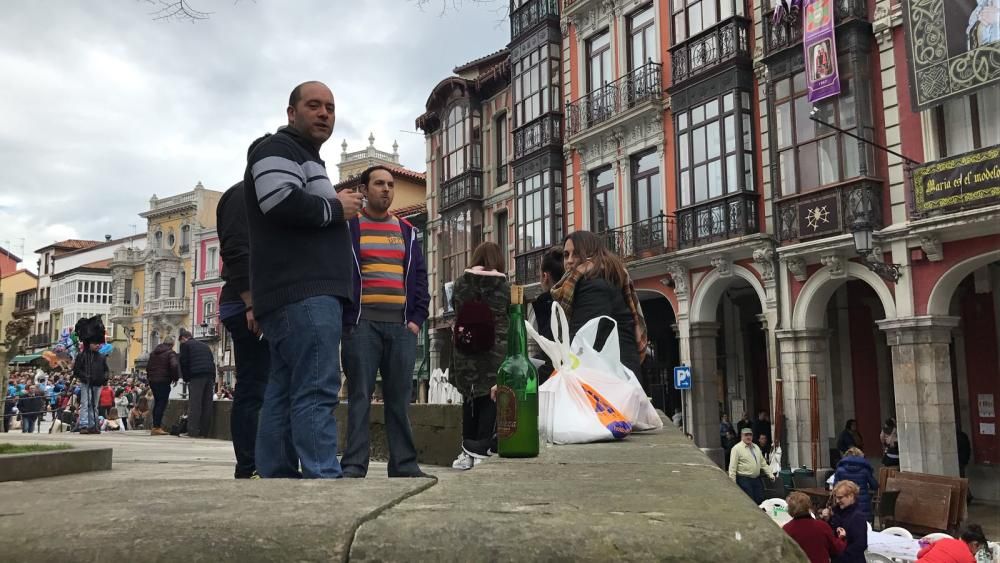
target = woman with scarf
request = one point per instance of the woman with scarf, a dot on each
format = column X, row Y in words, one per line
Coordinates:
column 597, row 284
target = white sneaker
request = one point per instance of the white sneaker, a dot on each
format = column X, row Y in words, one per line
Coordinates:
column 464, row 462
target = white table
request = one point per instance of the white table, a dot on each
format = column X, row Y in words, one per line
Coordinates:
column 893, row 546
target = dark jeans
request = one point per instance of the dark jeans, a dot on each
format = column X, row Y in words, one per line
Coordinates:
column 752, row 487
column 479, row 418
column 297, row 422
column 161, row 395
column 253, row 358
column 28, row 422
column 389, row 349
column 200, row 404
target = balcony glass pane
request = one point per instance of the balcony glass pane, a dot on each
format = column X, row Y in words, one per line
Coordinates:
column 732, row 173
column 829, row 160
column 698, row 141
column 680, row 31
column 697, row 115
column 730, row 132
column 682, row 148
column 852, row 161
column 725, row 9
column 715, row 178
column 727, row 102
column 685, row 189
column 713, row 139
column 783, row 123
column 712, row 109
column 786, row 168
column 709, row 17
column 805, row 128
column 747, row 133
column 694, row 18
column 700, row 183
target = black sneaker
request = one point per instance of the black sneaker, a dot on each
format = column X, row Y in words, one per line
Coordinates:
column 480, row 449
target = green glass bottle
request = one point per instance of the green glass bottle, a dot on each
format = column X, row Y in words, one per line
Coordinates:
column 517, row 388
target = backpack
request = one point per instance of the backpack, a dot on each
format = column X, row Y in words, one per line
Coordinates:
column 475, row 329
column 179, row 427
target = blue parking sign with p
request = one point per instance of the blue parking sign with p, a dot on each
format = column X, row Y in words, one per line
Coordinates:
column 682, row 377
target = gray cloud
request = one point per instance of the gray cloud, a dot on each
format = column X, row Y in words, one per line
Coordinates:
column 103, row 107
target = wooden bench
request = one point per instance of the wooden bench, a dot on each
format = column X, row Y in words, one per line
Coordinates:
column 926, row 502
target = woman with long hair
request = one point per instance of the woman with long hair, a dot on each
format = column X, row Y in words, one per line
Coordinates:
column 597, row 284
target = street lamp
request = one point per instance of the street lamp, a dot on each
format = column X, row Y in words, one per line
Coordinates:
column 863, row 232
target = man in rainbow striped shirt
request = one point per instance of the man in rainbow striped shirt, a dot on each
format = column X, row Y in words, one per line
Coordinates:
column 382, row 325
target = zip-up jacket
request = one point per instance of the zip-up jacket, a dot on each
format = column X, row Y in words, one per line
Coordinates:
column 414, row 276
column 234, row 240
column 300, row 245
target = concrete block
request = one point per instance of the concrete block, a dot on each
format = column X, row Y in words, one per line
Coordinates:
column 22, row 467
column 437, row 429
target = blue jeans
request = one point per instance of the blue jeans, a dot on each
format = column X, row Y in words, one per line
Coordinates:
column 297, row 423
column 89, row 397
column 752, row 487
column 370, row 348
column 253, row 360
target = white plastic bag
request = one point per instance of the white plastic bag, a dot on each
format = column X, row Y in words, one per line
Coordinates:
column 626, row 393
column 440, row 391
column 581, row 410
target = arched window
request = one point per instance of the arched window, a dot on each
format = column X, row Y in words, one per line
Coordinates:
column 157, row 285
column 185, row 238
column 158, row 239
column 172, row 291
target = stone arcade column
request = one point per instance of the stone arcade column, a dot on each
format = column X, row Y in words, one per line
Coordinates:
column 925, row 404
column 804, row 352
column 703, row 398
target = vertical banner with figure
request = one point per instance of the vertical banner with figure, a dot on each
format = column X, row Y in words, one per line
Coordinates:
column 820, row 45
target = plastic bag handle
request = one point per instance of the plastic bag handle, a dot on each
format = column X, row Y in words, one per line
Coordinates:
column 558, row 349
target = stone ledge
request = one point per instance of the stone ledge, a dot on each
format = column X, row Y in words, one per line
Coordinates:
column 37, row 465
column 437, row 429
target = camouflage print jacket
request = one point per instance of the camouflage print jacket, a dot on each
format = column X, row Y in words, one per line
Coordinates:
column 474, row 375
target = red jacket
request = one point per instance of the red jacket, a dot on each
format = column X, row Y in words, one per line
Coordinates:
column 815, row 538
column 107, row 397
column 946, row 551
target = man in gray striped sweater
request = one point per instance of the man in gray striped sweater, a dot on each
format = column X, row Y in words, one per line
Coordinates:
column 299, row 247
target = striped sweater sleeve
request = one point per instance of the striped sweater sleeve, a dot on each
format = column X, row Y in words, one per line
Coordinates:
column 279, row 184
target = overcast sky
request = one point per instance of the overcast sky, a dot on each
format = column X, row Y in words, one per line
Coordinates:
column 101, row 107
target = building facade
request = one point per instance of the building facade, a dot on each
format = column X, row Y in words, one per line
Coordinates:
column 45, row 332
column 152, row 285
column 16, row 299
column 469, row 192
column 206, row 288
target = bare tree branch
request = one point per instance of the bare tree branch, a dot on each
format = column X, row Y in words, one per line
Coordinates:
column 500, row 6
column 178, row 10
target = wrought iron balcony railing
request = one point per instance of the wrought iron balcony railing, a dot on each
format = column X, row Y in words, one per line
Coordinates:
column 829, row 211
column 467, row 186
column 722, row 43
column 786, row 31
column 641, row 239
column 723, row 218
column 530, row 13
column 528, row 266
column 614, row 98
column 545, row 131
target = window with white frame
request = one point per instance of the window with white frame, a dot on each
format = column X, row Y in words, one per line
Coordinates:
column 536, row 84
column 967, row 123
column 715, row 148
column 692, row 17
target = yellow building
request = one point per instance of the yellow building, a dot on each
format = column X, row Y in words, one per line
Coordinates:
column 152, row 287
column 411, row 186
column 16, row 296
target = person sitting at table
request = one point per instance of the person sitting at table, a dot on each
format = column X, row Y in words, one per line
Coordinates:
column 846, row 517
column 949, row 550
column 815, row 537
column 854, row 467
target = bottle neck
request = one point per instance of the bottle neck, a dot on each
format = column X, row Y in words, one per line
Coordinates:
column 517, row 338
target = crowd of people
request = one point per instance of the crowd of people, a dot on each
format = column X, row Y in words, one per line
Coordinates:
column 35, row 398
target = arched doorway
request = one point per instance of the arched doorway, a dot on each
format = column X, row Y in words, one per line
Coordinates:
column 975, row 366
column 729, row 351
column 657, row 371
column 835, row 337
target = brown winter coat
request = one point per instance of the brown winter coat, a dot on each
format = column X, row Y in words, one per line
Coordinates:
column 163, row 366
